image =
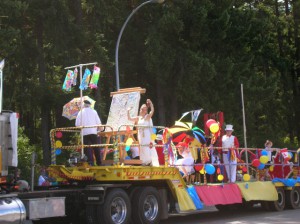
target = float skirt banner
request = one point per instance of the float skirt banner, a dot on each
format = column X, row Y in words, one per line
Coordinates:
column 184, row 200
column 258, row 190
column 221, row 194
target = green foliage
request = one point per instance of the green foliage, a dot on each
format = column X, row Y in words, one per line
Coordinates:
column 25, row 151
column 188, row 54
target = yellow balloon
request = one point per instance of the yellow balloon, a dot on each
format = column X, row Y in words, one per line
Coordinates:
column 129, row 142
column 263, row 159
column 58, row 144
column 220, row 177
column 153, row 137
column 202, row 171
column 271, row 168
column 246, row 177
column 214, row 128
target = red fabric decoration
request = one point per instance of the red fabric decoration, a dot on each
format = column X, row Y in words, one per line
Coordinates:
column 219, row 194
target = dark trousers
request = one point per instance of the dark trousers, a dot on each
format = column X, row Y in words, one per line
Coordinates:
column 88, row 151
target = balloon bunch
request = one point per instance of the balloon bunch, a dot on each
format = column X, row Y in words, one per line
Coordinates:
column 58, row 143
column 261, row 161
column 209, row 169
column 214, row 128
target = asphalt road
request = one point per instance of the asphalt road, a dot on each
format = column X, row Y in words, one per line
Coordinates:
column 254, row 215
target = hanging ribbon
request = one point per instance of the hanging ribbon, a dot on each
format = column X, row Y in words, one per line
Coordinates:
column 68, row 81
column 95, row 78
column 232, row 154
column 85, row 80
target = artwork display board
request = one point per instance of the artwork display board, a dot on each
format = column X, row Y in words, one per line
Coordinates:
column 121, row 101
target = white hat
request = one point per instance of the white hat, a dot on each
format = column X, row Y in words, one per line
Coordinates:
column 159, row 137
column 229, row 127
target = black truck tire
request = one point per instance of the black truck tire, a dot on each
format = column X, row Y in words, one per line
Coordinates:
column 293, row 198
column 116, row 208
column 146, row 206
column 278, row 205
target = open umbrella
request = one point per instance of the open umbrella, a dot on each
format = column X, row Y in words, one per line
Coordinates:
column 183, row 130
column 72, row 108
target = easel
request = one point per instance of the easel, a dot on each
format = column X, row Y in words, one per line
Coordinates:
column 115, row 135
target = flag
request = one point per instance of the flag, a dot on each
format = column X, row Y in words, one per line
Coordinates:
column 195, row 115
column 74, row 81
column 68, row 81
column 95, row 78
column 85, row 80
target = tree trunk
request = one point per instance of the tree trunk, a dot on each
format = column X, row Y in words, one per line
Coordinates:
column 161, row 109
column 45, row 110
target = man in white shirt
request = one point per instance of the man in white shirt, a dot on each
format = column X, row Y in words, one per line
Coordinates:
column 230, row 145
column 89, row 117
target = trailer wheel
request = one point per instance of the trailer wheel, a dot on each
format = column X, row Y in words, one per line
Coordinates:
column 293, row 198
column 280, row 203
column 116, row 208
column 147, row 206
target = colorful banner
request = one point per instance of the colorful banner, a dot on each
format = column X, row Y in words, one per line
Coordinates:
column 95, row 78
column 85, row 80
column 68, row 81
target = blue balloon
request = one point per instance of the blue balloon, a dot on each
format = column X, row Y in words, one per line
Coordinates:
column 261, row 166
column 264, row 153
column 127, row 158
column 58, row 151
column 210, row 169
column 154, row 130
column 127, row 148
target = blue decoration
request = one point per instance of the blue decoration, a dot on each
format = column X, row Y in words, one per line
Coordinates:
column 192, row 192
column 154, row 130
column 287, row 182
column 261, row 166
column 264, row 153
column 246, row 185
column 209, row 168
column 58, row 151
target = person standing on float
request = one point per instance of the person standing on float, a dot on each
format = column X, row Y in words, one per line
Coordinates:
column 148, row 153
column 230, row 144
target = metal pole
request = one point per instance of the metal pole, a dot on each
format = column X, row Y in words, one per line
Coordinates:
column 33, row 159
column 1, row 84
column 81, row 97
column 120, row 35
column 244, row 127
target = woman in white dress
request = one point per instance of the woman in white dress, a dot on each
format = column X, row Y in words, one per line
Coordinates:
column 148, row 153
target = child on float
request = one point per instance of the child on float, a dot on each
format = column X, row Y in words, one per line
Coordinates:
column 186, row 163
column 264, row 173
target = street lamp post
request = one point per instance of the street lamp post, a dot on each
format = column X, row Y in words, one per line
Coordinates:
column 1, row 83
column 120, row 35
